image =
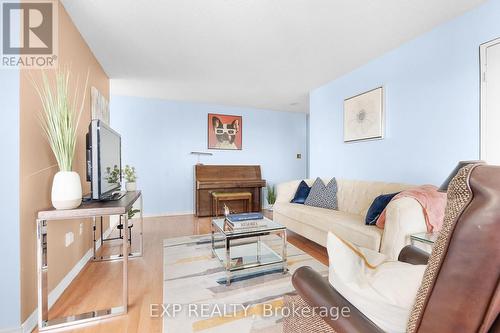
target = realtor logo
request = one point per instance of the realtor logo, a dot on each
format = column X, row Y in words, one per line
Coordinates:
column 29, row 34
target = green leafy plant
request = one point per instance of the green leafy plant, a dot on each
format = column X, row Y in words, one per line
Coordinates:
column 129, row 174
column 131, row 213
column 112, row 176
column 60, row 117
column 271, row 194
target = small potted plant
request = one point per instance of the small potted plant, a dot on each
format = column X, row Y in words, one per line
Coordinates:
column 113, row 176
column 271, row 196
column 130, row 178
column 132, row 212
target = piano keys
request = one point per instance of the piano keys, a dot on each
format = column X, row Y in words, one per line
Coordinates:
column 227, row 178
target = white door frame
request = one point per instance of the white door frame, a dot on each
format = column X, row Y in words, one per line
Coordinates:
column 483, row 114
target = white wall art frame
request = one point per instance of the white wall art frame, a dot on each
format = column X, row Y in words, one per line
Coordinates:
column 364, row 116
column 100, row 105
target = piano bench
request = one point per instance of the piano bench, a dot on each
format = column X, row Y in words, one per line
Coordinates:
column 217, row 197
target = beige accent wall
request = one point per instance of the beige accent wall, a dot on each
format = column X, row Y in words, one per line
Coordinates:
column 38, row 166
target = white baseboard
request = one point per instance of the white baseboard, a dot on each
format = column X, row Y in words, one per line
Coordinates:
column 11, row 330
column 32, row 321
column 182, row 213
column 169, row 214
column 179, row 213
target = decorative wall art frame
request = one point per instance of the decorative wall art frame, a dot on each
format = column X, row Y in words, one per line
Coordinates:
column 100, row 105
column 364, row 116
column 225, row 132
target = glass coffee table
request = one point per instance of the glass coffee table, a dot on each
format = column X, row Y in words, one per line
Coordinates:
column 246, row 249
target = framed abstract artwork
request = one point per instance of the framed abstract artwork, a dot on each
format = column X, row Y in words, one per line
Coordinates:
column 99, row 105
column 364, row 116
column 225, row 132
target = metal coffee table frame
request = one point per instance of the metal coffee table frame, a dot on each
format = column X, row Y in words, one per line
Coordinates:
column 119, row 208
column 229, row 236
column 428, row 238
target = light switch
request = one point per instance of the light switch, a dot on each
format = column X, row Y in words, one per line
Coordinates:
column 299, row 156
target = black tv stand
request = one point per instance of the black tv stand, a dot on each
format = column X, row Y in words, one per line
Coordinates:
column 115, row 196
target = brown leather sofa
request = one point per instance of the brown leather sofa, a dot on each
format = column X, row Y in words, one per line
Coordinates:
column 460, row 289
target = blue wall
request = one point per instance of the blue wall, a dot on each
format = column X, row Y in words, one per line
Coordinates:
column 10, row 289
column 432, row 106
column 158, row 136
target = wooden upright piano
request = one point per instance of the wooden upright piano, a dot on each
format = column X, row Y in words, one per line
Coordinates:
column 227, row 178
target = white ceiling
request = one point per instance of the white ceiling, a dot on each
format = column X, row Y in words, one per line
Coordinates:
column 255, row 53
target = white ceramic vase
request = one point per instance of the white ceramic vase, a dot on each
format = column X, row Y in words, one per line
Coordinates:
column 66, row 190
column 130, row 187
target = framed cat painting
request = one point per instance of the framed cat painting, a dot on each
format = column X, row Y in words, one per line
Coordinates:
column 224, row 132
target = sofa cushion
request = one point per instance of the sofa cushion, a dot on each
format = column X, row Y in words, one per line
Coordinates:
column 321, row 195
column 348, row 226
column 384, row 291
column 356, row 196
column 353, row 196
column 302, row 193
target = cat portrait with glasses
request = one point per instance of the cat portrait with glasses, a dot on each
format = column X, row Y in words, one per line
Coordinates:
column 224, row 132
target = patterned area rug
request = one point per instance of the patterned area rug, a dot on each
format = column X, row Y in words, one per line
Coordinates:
column 196, row 298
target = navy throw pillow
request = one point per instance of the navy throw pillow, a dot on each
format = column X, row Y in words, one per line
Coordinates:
column 378, row 207
column 301, row 194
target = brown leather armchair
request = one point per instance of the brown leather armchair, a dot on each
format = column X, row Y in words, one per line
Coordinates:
column 460, row 290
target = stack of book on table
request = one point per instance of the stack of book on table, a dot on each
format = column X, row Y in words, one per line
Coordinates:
column 245, row 221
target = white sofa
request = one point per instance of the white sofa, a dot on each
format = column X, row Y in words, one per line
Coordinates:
column 404, row 216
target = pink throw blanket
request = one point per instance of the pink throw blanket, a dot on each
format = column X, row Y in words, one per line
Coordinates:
column 433, row 204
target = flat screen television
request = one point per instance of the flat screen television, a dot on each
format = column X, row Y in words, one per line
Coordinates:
column 103, row 160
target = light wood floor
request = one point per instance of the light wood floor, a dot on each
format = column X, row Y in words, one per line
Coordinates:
column 98, row 286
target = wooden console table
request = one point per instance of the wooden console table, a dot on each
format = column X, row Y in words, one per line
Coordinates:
column 87, row 210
